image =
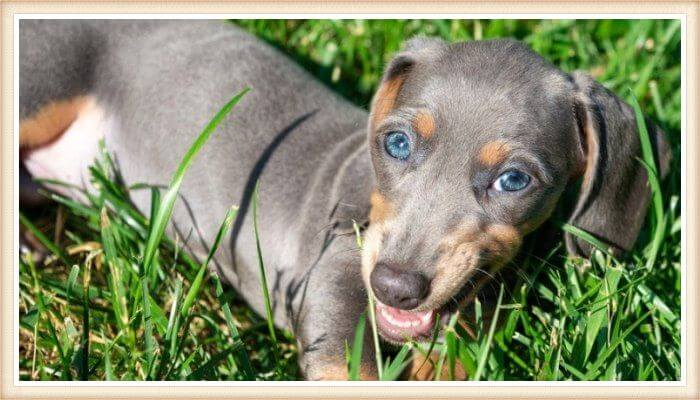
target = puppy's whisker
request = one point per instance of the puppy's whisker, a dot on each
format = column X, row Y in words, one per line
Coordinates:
column 485, row 272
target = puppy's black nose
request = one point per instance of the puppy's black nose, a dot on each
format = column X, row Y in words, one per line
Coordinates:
column 396, row 288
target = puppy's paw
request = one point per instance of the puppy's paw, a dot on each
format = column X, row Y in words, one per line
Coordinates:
column 337, row 371
column 424, row 368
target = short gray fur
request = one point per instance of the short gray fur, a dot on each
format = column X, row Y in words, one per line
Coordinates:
column 162, row 81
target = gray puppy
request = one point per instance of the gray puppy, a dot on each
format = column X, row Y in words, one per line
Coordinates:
column 467, row 149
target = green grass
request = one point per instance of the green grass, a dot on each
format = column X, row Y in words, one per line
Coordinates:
column 115, row 300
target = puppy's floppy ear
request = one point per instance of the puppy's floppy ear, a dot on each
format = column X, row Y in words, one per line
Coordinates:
column 395, row 74
column 614, row 194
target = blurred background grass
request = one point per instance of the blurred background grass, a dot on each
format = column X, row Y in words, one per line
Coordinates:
column 66, row 334
column 349, row 55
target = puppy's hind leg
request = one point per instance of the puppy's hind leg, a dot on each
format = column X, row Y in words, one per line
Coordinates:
column 57, row 61
column 67, row 157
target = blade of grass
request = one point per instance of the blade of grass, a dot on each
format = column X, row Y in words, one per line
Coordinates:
column 84, row 370
column 72, row 279
column 431, row 346
column 44, row 315
column 652, row 300
column 580, row 233
column 170, row 330
column 356, row 354
column 648, row 157
column 209, row 366
column 165, row 208
column 649, row 163
column 241, row 354
column 197, row 283
column 592, row 371
column 449, row 329
column 149, row 339
column 263, row 277
column 43, row 239
column 372, row 313
column 116, row 279
column 397, row 365
column 595, row 321
column 487, row 345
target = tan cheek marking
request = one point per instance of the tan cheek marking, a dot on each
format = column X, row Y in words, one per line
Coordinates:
column 385, row 99
column 50, row 121
column 463, row 251
column 424, row 124
column 381, row 208
column 493, row 152
column 505, row 241
column 454, row 266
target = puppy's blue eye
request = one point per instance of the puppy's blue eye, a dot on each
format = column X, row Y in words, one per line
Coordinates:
column 397, row 145
column 512, row 181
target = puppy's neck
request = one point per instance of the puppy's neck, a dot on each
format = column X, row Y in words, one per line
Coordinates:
column 341, row 189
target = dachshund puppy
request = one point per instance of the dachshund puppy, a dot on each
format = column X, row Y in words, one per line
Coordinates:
column 467, row 149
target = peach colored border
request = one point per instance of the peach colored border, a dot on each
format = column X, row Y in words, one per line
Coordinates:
column 104, row 391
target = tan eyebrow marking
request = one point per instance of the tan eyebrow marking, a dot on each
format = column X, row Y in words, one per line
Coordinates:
column 493, row 152
column 385, row 99
column 424, row 124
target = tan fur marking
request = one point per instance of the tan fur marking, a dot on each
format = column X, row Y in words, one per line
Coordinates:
column 505, row 239
column 372, row 243
column 334, row 371
column 381, row 208
column 424, row 124
column 423, row 368
column 385, row 99
column 506, row 234
column 471, row 246
column 49, row 122
column 493, row 152
column 591, row 151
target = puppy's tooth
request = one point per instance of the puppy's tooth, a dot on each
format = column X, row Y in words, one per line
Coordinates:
column 426, row 317
column 400, row 324
column 385, row 313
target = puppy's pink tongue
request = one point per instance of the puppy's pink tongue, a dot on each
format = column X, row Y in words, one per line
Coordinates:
column 400, row 325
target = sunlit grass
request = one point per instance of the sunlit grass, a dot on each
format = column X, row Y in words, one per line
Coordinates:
column 115, row 299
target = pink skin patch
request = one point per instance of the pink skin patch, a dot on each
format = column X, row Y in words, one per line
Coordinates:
column 68, row 157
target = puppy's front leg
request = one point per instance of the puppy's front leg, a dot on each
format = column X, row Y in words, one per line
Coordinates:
column 324, row 305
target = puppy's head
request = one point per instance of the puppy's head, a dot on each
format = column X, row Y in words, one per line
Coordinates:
column 473, row 144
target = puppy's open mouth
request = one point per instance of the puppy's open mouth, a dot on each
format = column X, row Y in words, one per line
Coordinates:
column 399, row 326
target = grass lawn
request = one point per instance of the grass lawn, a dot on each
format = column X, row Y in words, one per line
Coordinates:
column 111, row 301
